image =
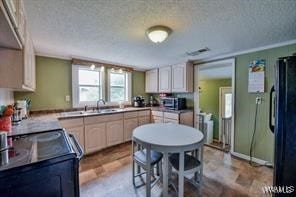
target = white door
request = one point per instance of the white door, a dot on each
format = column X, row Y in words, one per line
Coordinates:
column 225, row 106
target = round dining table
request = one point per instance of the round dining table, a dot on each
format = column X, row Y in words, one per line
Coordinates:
column 171, row 138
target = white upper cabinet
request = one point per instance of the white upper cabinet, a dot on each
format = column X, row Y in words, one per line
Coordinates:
column 182, row 77
column 165, row 79
column 16, row 12
column 15, row 62
column 151, row 81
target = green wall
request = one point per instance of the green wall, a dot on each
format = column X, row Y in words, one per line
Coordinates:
column 245, row 104
column 209, row 99
column 138, row 84
column 54, row 82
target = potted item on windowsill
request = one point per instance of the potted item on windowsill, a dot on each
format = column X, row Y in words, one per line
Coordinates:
column 5, row 117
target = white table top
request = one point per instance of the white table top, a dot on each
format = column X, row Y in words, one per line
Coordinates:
column 168, row 135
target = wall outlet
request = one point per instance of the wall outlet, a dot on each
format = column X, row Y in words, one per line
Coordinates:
column 258, row 100
column 68, row 99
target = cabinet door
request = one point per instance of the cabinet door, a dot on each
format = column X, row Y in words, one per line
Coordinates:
column 144, row 120
column 179, row 78
column 169, row 115
column 12, row 9
column 78, row 133
column 157, row 119
column 182, row 77
column 114, row 132
column 165, row 79
column 151, row 80
column 129, row 126
column 29, row 63
column 95, row 137
column 33, row 78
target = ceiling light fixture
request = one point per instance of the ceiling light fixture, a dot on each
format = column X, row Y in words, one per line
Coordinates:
column 158, row 34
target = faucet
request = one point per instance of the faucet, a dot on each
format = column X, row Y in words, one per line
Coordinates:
column 98, row 103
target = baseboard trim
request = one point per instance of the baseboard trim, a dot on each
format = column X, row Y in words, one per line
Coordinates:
column 246, row 157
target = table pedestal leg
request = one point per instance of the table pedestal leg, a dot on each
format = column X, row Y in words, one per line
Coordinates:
column 181, row 175
column 165, row 174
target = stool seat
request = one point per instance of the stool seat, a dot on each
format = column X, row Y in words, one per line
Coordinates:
column 190, row 162
column 140, row 156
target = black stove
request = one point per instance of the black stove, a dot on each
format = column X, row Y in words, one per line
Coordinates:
column 43, row 164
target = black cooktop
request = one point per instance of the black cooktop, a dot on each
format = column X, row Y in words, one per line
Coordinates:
column 34, row 148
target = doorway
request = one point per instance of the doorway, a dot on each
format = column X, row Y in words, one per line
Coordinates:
column 225, row 116
column 214, row 85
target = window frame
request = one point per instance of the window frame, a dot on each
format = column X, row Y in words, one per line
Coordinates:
column 128, row 87
column 75, row 87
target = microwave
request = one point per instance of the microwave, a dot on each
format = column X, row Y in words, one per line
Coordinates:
column 173, row 103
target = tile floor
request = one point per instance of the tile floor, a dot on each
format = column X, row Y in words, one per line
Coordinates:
column 108, row 173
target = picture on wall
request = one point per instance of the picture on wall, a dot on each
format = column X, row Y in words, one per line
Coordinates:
column 256, row 76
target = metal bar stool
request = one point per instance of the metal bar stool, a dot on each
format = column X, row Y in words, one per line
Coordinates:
column 142, row 160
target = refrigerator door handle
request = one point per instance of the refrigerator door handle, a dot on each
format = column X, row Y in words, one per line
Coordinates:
column 271, row 126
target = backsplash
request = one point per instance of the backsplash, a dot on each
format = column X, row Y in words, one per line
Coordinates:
column 6, row 97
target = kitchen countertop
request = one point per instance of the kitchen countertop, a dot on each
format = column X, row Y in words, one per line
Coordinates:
column 81, row 114
column 170, row 110
column 36, row 125
column 46, row 122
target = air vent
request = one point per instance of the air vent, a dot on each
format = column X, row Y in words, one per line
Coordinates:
column 194, row 53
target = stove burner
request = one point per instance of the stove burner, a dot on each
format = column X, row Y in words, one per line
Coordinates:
column 46, row 137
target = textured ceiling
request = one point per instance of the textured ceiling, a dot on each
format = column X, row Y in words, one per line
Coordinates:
column 114, row 30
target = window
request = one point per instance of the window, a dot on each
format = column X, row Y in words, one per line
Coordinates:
column 87, row 86
column 119, row 86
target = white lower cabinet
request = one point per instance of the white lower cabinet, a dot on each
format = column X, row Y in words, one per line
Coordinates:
column 78, row 133
column 157, row 119
column 75, row 127
column 185, row 118
column 143, row 120
column 98, row 132
column 114, row 132
column 129, row 126
column 95, row 137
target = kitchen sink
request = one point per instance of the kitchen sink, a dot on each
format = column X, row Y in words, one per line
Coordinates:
column 110, row 110
column 90, row 112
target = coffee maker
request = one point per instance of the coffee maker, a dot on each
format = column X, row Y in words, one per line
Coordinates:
column 139, row 101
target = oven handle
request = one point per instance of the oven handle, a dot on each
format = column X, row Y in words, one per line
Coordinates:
column 78, row 147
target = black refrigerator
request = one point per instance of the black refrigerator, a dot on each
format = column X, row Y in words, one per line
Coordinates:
column 284, row 124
